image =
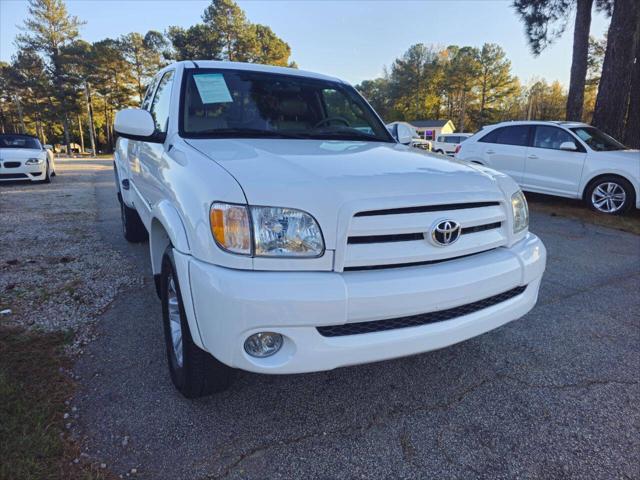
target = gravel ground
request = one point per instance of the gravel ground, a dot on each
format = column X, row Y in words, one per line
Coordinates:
column 56, row 273
column 554, row 395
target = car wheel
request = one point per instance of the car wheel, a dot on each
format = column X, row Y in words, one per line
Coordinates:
column 610, row 194
column 193, row 371
column 47, row 174
column 132, row 226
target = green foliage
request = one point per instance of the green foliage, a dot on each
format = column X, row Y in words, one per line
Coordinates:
column 470, row 86
column 496, row 83
column 145, row 55
column 226, row 34
column 48, row 28
column 544, row 20
column 58, row 83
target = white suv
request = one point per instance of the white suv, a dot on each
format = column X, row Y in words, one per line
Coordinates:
column 446, row 144
column 290, row 232
column 567, row 159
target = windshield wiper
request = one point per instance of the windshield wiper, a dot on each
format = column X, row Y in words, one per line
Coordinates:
column 345, row 135
column 242, row 133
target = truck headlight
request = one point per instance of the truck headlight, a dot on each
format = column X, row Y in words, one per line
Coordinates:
column 285, row 232
column 265, row 231
column 34, row 161
column 520, row 211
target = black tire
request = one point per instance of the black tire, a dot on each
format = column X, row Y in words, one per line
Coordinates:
column 47, row 174
column 132, row 226
column 622, row 188
column 197, row 373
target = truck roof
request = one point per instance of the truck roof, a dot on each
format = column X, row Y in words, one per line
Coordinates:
column 254, row 67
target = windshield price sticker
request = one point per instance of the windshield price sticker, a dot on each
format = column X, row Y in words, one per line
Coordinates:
column 212, row 88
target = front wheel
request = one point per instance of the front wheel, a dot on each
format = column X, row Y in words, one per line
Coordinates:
column 610, row 194
column 193, row 371
column 47, row 173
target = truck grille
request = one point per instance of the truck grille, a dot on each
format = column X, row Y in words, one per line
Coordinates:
column 418, row 320
column 397, row 237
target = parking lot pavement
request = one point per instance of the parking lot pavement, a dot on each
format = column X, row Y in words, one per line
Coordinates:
column 553, row 395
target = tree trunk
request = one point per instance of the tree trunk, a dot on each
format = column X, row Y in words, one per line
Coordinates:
column 92, row 132
column 613, row 92
column 20, row 114
column 463, row 107
column 106, row 125
column 81, row 134
column 632, row 128
column 575, row 99
column 65, row 124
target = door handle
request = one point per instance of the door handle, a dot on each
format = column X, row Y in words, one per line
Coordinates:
column 532, row 157
column 490, row 152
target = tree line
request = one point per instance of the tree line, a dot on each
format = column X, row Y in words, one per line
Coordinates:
column 471, row 86
column 66, row 90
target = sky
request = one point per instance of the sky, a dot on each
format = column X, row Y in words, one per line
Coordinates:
column 350, row 39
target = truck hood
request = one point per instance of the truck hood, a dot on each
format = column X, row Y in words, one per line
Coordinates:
column 325, row 178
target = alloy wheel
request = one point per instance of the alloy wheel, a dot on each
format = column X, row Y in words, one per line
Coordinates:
column 175, row 325
column 608, row 197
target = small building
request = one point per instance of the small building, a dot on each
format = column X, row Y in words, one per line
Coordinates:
column 430, row 129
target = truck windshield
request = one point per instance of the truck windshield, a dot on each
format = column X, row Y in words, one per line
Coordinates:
column 597, row 139
column 220, row 103
column 19, row 141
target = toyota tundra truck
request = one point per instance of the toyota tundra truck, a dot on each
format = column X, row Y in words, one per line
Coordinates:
column 290, row 232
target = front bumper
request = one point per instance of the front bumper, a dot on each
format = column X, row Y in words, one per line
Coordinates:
column 226, row 306
column 23, row 172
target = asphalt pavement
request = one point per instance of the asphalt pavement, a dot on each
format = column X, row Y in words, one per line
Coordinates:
column 553, row 395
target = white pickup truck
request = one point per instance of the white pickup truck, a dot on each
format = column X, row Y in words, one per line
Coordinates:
column 290, row 232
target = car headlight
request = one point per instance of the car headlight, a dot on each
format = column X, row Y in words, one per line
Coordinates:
column 520, row 212
column 34, row 161
column 265, row 231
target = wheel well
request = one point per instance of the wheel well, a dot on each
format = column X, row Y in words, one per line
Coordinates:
column 598, row 177
column 158, row 242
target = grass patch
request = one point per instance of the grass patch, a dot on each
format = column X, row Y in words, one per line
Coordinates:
column 566, row 207
column 33, row 390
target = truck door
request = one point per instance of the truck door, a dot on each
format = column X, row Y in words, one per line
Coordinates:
column 150, row 153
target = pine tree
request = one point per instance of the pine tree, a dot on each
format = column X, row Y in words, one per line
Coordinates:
column 145, row 56
column 48, row 29
column 545, row 21
column 496, row 81
column 615, row 82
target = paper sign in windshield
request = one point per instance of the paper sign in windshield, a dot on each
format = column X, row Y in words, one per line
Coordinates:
column 212, row 88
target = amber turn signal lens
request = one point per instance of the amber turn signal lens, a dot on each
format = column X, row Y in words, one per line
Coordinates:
column 230, row 227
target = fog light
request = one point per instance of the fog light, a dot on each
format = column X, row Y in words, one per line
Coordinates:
column 263, row 344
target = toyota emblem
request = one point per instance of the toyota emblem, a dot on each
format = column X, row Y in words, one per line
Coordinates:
column 445, row 232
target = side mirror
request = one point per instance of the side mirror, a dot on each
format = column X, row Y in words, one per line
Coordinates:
column 404, row 137
column 136, row 124
column 570, row 146
column 47, row 147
